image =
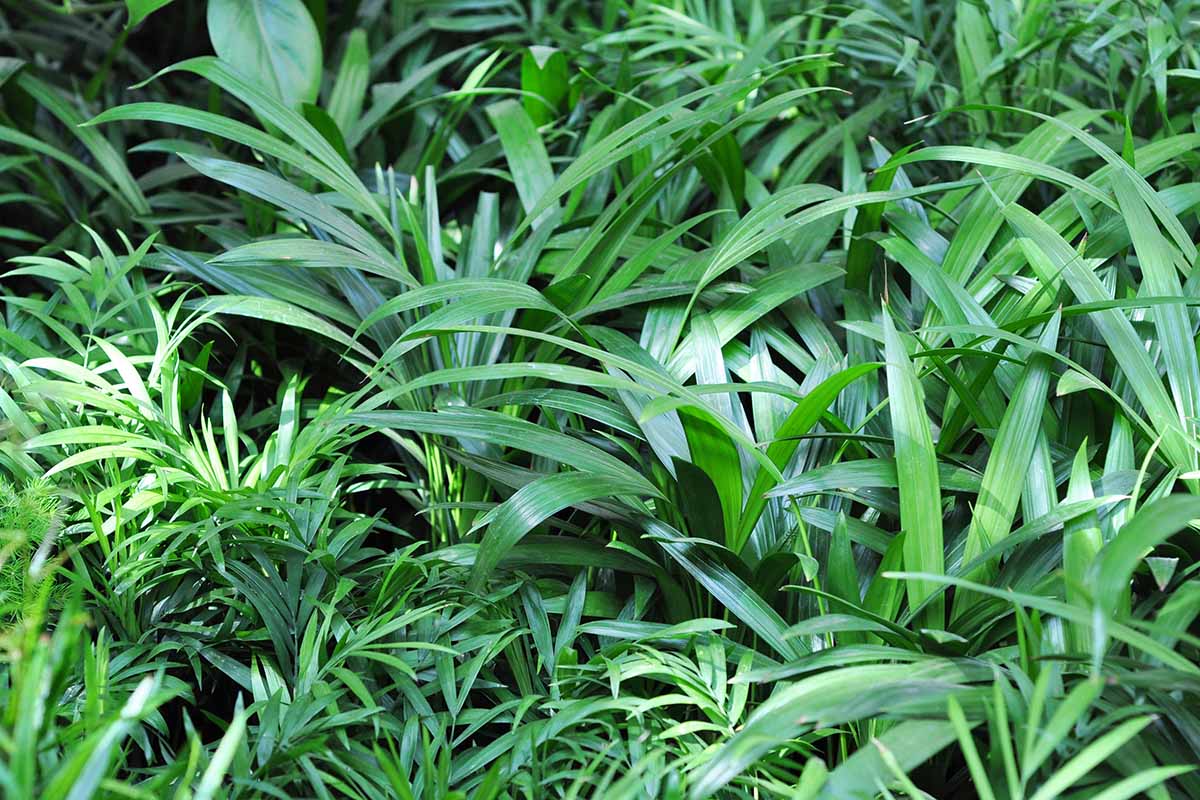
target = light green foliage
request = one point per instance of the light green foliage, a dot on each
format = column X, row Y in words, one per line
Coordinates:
column 29, row 521
column 620, row 399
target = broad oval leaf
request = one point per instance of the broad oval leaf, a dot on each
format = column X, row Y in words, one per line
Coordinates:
column 274, row 41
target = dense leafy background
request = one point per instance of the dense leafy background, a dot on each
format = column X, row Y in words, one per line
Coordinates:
column 611, row 399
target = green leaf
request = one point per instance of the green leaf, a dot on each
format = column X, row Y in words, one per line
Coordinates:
column 1070, row 613
column 962, row 730
column 9, row 67
column 140, row 9
column 214, row 774
column 105, row 155
column 798, row 422
column 525, row 153
column 290, row 198
column 1111, row 569
column 832, row 698
column 917, row 472
column 272, row 310
column 1141, row 783
column 1082, row 539
column 350, row 86
column 1092, row 755
column 1044, row 740
column 266, row 105
column 1127, row 348
column 536, row 502
column 501, row 429
column 325, row 125
column 544, row 82
column 700, row 503
column 843, row 574
column 1159, row 262
column 715, row 453
column 272, row 41
column 1009, row 460
column 741, row 600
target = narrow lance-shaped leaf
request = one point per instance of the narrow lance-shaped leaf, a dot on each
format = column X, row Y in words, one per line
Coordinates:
column 917, row 471
column 843, row 575
column 534, row 503
column 741, row 600
column 828, row 698
column 1008, row 463
column 1157, row 259
column 1127, row 347
column 525, row 153
column 350, row 87
column 1082, row 539
column 799, row 422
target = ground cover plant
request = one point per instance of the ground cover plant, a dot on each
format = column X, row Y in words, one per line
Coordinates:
column 496, row 399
